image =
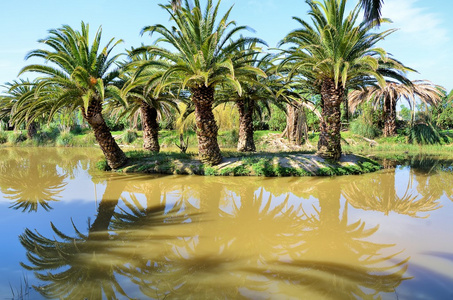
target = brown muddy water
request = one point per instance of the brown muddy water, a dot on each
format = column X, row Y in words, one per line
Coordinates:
column 69, row 231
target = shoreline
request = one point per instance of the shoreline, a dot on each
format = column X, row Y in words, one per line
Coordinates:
column 259, row 164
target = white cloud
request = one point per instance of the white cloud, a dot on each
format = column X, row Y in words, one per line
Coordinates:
column 422, row 41
column 416, row 23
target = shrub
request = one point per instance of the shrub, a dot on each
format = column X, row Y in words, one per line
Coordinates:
column 229, row 138
column 3, row 137
column 128, row 137
column 365, row 129
column 277, row 121
column 86, row 140
column 65, row 139
column 16, row 137
column 77, row 129
column 424, row 134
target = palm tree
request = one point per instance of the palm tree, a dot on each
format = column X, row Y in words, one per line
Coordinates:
column 137, row 90
column 206, row 56
column 255, row 90
column 19, row 91
column 82, row 78
column 388, row 96
column 330, row 56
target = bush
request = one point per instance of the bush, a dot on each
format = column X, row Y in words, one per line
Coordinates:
column 424, row 134
column 65, row 139
column 277, row 121
column 77, row 129
column 116, row 124
column 229, row 138
column 128, row 137
column 3, row 137
column 364, row 129
column 89, row 139
column 16, row 137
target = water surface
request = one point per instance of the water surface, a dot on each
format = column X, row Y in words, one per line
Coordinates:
column 74, row 232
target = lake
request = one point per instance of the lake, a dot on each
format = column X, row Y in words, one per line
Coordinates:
column 74, row 232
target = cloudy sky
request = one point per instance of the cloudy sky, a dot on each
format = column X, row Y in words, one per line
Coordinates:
column 422, row 41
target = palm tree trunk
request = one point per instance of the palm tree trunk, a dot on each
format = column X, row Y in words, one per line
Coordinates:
column 296, row 130
column 389, row 117
column 32, row 129
column 150, row 127
column 329, row 145
column 208, row 148
column 113, row 154
column 246, row 142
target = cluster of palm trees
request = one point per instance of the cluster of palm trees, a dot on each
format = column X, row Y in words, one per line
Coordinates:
column 204, row 60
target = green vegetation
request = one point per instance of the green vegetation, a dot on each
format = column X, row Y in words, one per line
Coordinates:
column 258, row 164
column 217, row 90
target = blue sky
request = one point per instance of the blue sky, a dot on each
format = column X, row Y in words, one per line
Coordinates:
column 422, row 42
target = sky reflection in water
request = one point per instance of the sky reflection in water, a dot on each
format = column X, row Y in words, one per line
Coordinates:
column 92, row 234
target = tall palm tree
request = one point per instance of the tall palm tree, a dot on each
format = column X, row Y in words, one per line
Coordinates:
column 331, row 55
column 388, row 96
column 20, row 94
column 206, row 56
column 82, row 77
column 137, row 91
column 255, row 90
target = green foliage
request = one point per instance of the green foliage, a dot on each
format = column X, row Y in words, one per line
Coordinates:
column 277, row 120
column 89, row 139
column 405, row 113
column 227, row 117
column 262, row 168
column 364, row 129
column 76, row 129
column 103, row 165
column 229, row 138
column 424, row 134
column 128, row 137
column 3, row 137
column 210, row 171
column 115, row 124
column 442, row 114
column 65, row 139
column 240, row 170
column 366, row 124
column 16, row 137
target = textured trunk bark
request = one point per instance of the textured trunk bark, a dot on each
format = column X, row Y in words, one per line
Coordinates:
column 208, row 148
column 296, row 130
column 389, row 117
column 32, row 129
column 246, row 142
column 150, row 127
column 329, row 145
column 114, row 155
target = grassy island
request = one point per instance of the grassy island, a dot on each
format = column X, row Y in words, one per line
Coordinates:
column 257, row 164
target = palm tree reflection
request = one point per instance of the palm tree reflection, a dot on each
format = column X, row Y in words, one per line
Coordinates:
column 336, row 258
column 233, row 241
column 378, row 192
column 79, row 267
column 30, row 181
